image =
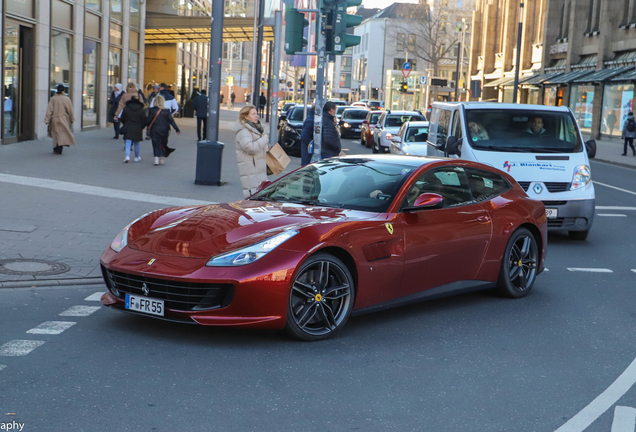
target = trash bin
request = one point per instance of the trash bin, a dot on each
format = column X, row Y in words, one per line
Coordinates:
column 209, row 159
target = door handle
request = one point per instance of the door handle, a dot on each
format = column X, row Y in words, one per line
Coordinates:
column 483, row 219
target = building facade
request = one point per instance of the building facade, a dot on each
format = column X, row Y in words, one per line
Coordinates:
column 493, row 49
column 86, row 45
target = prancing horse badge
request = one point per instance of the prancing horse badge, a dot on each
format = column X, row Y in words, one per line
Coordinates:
column 151, row 261
column 389, row 227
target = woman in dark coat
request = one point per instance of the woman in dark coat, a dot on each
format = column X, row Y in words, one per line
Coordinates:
column 115, row 96
column 134, row 119
column 159, row 122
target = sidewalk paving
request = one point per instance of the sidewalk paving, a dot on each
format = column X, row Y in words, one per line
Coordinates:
column 609, row 150
column 54, row 222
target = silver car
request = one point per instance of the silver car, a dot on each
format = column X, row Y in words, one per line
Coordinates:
column 411, row 139
column 389, row 124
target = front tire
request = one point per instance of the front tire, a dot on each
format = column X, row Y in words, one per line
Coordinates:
column 321, row 298
column 518, row 265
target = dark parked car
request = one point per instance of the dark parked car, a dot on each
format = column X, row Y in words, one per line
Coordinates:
column 340, row 110
column 351, row 122
column 290, row 128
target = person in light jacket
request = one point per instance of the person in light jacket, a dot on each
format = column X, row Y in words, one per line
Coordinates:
column 59, row 116
column 629, row 135
column 131, row 92
column 252, row 145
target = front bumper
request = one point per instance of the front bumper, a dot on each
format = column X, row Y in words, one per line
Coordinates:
column 255, row 295
column 573, row 215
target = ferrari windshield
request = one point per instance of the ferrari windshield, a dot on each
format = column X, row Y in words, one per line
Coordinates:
column 522, row 131
column 352, row 183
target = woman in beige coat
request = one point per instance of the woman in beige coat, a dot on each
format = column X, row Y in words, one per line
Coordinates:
column 59, row 116
column 252, row 145
column 131, row 92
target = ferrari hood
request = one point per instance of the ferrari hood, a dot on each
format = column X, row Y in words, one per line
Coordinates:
column 215, row 229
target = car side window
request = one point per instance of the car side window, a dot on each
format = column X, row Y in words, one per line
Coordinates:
column 457, row 126
column 486, row 185
column 443, row 126
column 450, row 182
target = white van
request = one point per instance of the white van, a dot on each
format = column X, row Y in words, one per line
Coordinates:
column 540, row 146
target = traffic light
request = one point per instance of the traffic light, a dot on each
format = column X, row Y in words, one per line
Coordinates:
column 404, row 87
column 262, row 82
column 302, row 83
column 340, row 22
column 295, row 23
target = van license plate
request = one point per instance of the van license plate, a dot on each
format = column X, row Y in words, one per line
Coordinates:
column 551, row 213
column 144, row 304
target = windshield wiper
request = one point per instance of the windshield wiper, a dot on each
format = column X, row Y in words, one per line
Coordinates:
column 547, row 150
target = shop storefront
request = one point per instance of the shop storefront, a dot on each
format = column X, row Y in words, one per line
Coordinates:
column 618, row 100
column 581, row 103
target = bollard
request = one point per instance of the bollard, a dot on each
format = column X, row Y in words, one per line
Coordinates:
column 209, row 158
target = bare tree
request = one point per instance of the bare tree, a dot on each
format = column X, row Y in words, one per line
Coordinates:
column 425, row 30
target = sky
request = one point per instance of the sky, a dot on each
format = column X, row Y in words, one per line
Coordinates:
column 383, row 3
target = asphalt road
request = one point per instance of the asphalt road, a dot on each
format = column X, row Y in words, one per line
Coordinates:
column 473, row 362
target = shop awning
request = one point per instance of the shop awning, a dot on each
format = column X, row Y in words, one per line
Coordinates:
column 557, row 66
column 568, row 77
column 588, row 61
column 500, row 82
column 170, row 29
column 623, row 58
column 539, row 79
column 627, row 76
column 603, row 74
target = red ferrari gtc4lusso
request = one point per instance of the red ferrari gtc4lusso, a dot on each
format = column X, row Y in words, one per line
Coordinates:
column 341, row 236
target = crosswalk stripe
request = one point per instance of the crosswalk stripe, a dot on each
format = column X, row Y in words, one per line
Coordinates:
column 19, row 347
column 51, row 327
column 79, row 311
column 624, row 419
column 94, row 297
column 590, row 270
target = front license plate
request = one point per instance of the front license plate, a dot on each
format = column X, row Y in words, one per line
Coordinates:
column 357, row 130
column 551, row 213
column 144, row 304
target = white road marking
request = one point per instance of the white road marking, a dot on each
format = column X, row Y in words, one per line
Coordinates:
column 2, row 367
column 19, row 347
column 611, row 214
column 79, row 311
column 51, row 327
column 634, row 270
column 603, row 402
column 94, row 297
column 614, row 208
column 590, row 270
column 614, row 187
column 99, row 191
column 624, row 419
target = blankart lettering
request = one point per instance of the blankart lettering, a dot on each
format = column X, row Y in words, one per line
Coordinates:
column 545, row 166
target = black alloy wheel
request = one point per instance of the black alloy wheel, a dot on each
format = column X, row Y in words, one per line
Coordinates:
column 518, row 265
column 321, row 298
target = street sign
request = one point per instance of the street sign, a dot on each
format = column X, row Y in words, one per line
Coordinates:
column 230, row 80
column 290, row 84
column 423, row 80
column 406, row 69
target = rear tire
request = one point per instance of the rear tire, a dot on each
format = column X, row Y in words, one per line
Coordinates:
column 320, row 299
column 519, row 265
column 578, row 235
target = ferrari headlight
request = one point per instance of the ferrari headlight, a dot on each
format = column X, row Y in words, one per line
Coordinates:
column 582, row 176
column 121, row 240
column 251, row 253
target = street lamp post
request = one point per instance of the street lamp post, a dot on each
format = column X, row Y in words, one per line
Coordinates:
column 517, row 65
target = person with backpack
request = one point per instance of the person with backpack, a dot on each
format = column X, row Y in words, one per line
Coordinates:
column 629, row 132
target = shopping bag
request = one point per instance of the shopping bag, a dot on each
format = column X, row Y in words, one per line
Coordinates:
column 277, row 160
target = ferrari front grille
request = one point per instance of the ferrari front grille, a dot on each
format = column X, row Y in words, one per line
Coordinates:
column 178, row 295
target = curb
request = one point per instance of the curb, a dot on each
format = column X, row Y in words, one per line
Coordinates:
column 52, row 282
column 614, row 163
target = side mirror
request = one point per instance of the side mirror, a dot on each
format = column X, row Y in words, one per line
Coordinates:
column 590, row 146
column 396, row 139
column 263, row 185
column 452, row 145
column 282, row 117
column 427, row 201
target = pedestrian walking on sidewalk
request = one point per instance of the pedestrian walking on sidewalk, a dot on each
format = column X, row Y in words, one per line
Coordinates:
column 159, row 121
column 131, row 92
column 133, row 118
column 252, row 145
column 629, row 132
column 200, row 105
column 59, row 116
column 330, row 145
column 115, row 96
column 306, row 137
column 232, row 99
column 262, row 101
